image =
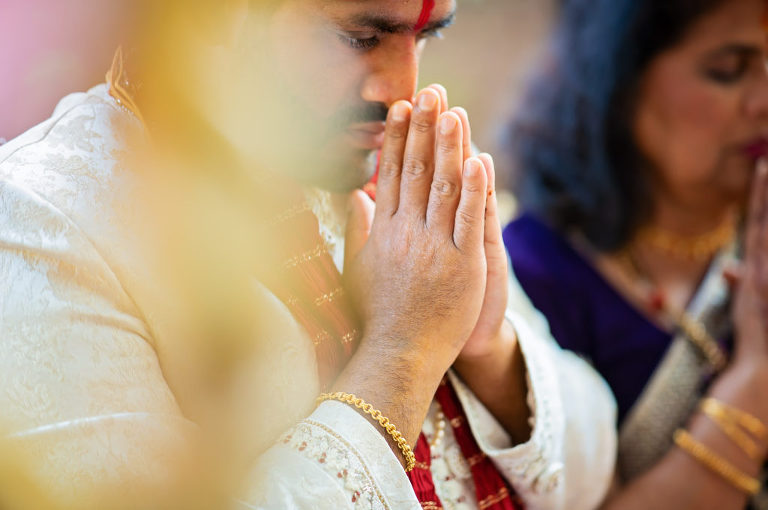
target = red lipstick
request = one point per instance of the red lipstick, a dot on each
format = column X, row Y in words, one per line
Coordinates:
column 757, row 149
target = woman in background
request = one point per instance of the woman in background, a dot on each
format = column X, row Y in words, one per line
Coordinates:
column 638, row 147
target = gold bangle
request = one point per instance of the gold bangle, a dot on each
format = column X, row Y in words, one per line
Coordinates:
column 714, row 462
column 753, row 425
column 730, row 428
column 348, row 398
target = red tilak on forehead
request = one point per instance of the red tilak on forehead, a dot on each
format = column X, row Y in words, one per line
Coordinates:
column 426, row 12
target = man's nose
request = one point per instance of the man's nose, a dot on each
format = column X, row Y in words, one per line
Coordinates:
column 393, row 73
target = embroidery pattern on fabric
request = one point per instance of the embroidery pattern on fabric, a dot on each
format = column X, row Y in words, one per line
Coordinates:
column 340, row 459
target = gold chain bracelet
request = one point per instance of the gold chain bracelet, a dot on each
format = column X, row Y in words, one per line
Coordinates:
column 714, row 462
column 348, row 398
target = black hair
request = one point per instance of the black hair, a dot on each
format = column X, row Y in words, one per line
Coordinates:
column 577, row 165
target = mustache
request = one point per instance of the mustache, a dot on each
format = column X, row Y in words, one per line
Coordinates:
column 367, row 112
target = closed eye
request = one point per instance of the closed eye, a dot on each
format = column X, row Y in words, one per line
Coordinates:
column 359, row 43
column 732, row 63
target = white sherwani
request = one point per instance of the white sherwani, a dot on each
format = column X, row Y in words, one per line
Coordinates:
column 91, row 356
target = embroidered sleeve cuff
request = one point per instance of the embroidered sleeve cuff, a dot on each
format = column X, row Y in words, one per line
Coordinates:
column 341, row 456
column 533, row 468
column 568, row 461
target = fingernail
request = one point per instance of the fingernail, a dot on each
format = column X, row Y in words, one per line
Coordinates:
column 399, row 112
column 459, row 111
column 472, row 168
column 447, row 124
column 439, row 87
column 427, row 101
column 762, row 166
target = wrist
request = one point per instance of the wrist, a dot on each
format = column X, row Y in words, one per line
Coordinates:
column 498, row 378
column 398, row 385
column 496, row 351
column 415, row 358
column 743, row 385
column 376, row 417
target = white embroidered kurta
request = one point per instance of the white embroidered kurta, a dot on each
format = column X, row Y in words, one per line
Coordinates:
column 92, row 357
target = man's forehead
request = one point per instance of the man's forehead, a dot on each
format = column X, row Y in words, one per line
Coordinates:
column 398, row 15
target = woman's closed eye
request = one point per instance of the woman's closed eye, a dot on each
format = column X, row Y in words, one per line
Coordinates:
column 731, row 65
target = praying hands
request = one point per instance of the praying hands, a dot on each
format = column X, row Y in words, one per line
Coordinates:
column 427, row 268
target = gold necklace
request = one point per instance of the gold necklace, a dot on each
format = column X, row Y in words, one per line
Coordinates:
column 693, row 330
column 694, row 248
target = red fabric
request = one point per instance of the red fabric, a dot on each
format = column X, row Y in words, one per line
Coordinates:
column 304, row 281
column 421, row 476
column 304, row 277
column 491, row 489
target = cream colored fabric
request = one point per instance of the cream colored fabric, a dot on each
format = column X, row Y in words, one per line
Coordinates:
column 98, row 384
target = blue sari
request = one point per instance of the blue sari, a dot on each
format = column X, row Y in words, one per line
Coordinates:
column 657, row 376
column 585, row 313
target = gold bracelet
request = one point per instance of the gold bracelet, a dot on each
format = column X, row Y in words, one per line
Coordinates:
column 756, row 427
column 348, row 398
column 714, row 462
column 730, row 428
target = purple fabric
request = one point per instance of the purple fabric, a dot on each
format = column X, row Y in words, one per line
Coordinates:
column 585, row 314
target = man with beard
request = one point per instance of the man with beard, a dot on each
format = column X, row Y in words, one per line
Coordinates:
column 144, row 343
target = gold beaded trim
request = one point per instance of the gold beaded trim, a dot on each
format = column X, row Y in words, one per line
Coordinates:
column 290, row 213
column 348, row 398
column 715, row 463
column 700, row 337
column 476, row 459
column 493, row 499
column 327, row 298
column 305, row 257
column 321, row 337
column 349, row 337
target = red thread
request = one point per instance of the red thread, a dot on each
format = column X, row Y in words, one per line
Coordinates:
column 426, row 12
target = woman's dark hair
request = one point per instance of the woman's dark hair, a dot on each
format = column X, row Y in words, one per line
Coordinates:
column 577, row 164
